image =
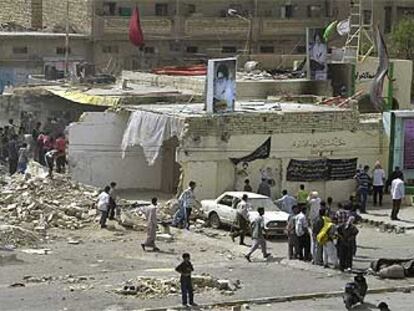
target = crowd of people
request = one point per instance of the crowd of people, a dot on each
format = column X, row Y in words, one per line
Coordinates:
column 19, row 144
column 320, row 231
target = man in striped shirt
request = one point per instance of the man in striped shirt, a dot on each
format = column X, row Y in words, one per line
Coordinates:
column 364, row 182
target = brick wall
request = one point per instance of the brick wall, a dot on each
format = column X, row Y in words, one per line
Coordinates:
column 274, row 123
column 16, row 11
column 80, row 15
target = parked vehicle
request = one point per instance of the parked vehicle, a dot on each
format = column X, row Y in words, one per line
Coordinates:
column 223, row 211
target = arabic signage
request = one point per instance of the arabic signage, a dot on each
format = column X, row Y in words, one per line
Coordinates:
column 321, row 169
column 409, row 144
column 322, row 143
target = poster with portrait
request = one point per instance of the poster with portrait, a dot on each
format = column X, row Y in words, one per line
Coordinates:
column 317, row 51
column 221, row 85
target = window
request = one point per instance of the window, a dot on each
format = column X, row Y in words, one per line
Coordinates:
column 149, row 50
column 175, row 47
column 267, row 49
column 366, row 18
column 405, row 11
column 191, row 9
column 227, row 200
column 286, row 11
column 110, row 49
column 109, row 8
column 161, row 9
column 192, row 49
column 314, row 11
column 388, row 19
column 20, row 50
column 229, row 49
column 125, row 11
column 62, row 51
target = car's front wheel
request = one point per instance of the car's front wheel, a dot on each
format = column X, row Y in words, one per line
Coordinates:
column 214, row 220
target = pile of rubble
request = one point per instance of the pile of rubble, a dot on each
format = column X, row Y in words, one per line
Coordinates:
column 148, row 288
column 40, row 203
column 67, row 279
column 10, row 236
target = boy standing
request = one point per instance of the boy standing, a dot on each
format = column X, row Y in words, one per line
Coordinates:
column 185, row 269
column 103, row 202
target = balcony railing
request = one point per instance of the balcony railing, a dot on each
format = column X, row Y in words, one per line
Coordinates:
column 209, row 26
column 150, row 25
column 271, row 26
column 216, row 26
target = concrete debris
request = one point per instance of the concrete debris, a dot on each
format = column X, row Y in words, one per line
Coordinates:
column 148, row 288
column 11, row 236
column 165, row 237
column 254, row 75
column 67, row 279
column 41, row 251
column 39, row 203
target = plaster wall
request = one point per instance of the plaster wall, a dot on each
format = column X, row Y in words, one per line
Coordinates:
column 209, row 160
column 403, row 73
column 95, row 155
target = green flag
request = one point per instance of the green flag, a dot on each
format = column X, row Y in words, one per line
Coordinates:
column 329, row 30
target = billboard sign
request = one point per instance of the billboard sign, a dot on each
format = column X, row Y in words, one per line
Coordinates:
column 221, row 85
column 317, row 51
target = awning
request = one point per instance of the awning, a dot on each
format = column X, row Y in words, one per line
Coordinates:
column 83, row 98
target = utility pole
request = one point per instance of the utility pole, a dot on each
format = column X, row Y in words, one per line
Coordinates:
column 67, row 40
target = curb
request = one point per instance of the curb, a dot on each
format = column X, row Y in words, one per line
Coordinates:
column 279, row 299
column 385, row 226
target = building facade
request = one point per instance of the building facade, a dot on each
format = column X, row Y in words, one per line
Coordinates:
column 180, row 31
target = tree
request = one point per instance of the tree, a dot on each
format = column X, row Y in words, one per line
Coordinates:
column 403, row 38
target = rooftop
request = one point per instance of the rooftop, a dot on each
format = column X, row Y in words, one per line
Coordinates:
column 191, row 110
column 41, row 34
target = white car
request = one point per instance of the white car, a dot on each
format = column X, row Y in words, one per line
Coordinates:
column 223, row 211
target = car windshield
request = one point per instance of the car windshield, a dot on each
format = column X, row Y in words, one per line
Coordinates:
column 263, row 202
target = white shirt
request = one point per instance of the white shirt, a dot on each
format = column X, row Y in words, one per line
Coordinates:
column 287, row 202
column 397, row 189
column 243, row 209
column 314, row 207
column 187, row 198
column 103, row 201
column 301, row 225
column 378, row 177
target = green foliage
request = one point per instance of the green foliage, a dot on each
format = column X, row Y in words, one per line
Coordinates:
column 403, row 38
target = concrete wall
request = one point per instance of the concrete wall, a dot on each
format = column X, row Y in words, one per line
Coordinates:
column 245, row 89
column 80, row 15
column 204, row 155
column 95, row 154
column 16, row 11
column 403, row 73
column 39, row 48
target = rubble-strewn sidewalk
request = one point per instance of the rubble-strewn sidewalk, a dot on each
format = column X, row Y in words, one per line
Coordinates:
column 380, row 217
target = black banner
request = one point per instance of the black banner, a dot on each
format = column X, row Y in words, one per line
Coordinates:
column 321, row 169
column 262, row 152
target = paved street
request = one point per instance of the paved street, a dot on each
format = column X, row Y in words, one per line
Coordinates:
column 109, row 258
column 396, row 301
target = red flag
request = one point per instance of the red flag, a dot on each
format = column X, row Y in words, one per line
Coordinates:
column 135, row 32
